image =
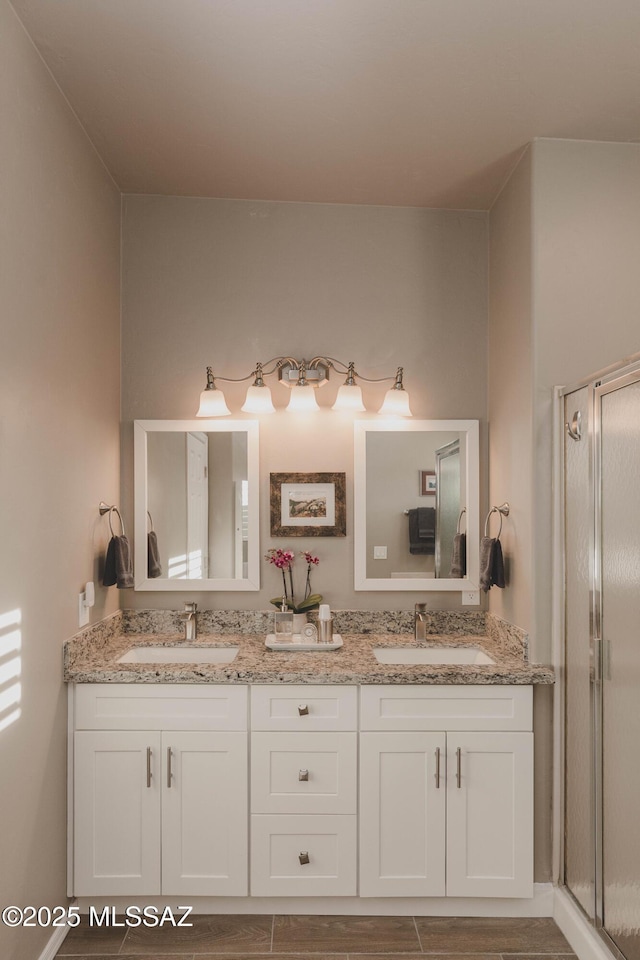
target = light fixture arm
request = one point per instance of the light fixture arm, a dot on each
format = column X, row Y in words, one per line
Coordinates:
column 351, row 372
column 258, row 372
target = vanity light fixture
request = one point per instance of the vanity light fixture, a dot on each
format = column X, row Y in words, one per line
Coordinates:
column 303, row 378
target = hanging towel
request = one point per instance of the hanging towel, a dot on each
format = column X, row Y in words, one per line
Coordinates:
column 459, row 556
column 422, row 530
column 491, row 564
column 154, row 567
column 118, row 568
column 497, row 566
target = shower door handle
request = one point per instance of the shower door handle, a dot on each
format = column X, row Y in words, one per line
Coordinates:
column 600, row 659
column 594, row 660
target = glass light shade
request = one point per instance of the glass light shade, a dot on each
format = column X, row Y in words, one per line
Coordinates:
column 349, row 398
column 213, row 404
column 303, row 400
column 396, row 404
column 258, row 400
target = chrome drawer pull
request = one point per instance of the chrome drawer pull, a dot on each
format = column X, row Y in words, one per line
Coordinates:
column 459, row 766
column 303, row 774
column 303, row 709
column 149, row 766
column 437, row 768
column 303, row 857
column 169, row 773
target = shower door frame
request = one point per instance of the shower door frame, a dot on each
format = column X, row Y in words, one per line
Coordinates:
column 612, row 378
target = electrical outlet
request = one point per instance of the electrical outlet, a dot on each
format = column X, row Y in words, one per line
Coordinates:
column 379, row 553
column 83, row 610
column 470, row 598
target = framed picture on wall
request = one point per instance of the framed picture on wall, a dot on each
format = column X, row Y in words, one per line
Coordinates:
column 427, row 483
column 308, row 504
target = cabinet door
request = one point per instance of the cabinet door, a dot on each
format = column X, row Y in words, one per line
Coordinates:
column 490, row 815
column 204, row 813
column 402, row 814
column 117, row 813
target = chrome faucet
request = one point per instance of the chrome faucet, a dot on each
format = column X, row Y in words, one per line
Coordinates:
column 420, row 622
column 190, row 621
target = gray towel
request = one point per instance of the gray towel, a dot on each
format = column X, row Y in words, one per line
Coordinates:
column 459, row 556
column 118, row 568
column 491, row 564
column 154, row 567
column 422, row 530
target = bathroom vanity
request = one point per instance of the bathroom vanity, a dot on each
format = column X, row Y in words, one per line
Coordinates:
column 301, row 775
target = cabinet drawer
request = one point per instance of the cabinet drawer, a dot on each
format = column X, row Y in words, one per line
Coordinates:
column 281, row 847
column 304, row 707
column 162, row 706
column 452, row 707
column 303, row 772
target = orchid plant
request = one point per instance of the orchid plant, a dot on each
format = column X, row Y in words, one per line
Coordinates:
column 284, row 560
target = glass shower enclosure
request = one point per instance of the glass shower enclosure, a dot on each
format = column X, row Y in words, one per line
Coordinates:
column 602, row 654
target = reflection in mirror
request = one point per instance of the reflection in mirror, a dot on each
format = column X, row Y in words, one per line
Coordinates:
column 416, row 486
column 196, row 513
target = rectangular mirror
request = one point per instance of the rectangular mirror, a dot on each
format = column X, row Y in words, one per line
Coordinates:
column 416, row 486
column 196, row 489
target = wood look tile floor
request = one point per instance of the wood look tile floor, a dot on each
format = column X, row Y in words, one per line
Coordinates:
column 267, row 937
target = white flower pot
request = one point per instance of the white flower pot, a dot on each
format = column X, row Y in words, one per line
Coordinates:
column 299, row 620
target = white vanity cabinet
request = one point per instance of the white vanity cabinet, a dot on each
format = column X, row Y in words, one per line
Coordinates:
column 434, row 781
column 446, row 791
column 160, row 790
column 304, row 790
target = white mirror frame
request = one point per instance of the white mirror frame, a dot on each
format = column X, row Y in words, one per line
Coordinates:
column 466, row 428
column 141, row 429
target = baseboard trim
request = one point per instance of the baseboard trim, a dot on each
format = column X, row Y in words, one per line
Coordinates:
column 54, row 943
column 540, row 905
column 582, row 937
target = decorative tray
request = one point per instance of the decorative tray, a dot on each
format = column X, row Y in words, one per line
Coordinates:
column 297, row 645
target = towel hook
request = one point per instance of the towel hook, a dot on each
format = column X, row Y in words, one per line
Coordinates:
column 460, row 516
column 111, row 508
column 150, row 518
column 503, row 511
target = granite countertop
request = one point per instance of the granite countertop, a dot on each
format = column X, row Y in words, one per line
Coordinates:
column 91, row 657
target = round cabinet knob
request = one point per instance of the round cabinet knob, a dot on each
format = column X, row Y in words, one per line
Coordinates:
column 303, row 774
column 303, row 857
column 303, row 709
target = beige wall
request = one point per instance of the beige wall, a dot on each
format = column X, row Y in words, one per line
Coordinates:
column 228, row 283
column 510, row 389
column 59, row 374
column 564, row 293
column 586, row 209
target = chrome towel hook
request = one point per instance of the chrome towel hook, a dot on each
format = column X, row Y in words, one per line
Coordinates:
column 460, row 516
column 503, row 510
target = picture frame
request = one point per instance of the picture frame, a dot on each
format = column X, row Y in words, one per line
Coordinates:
column 427, row 483
column 308, row 504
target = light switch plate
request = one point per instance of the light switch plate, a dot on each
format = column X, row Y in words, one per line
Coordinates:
column 379, row 553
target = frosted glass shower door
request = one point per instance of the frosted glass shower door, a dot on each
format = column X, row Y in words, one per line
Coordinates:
column 618, row 404
column 579, row 833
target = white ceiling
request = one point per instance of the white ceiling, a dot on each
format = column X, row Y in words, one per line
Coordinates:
column 409, row 102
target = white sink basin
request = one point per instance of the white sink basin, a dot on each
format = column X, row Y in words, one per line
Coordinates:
column 181, row 654
column 432, row 655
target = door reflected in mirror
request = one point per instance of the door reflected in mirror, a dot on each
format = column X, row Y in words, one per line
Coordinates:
column 416, row 488
column 196, row 494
